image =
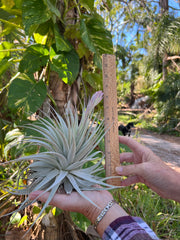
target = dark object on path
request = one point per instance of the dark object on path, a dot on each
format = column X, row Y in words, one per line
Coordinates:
column 126, row 130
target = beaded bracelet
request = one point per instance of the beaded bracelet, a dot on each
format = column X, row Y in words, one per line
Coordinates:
column 103, row 212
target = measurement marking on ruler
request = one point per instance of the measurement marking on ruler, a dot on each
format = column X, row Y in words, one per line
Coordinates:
column 110, row 116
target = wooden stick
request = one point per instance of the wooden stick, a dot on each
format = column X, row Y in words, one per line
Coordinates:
column 110, row 116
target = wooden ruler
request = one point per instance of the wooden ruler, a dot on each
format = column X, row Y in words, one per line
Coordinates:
column 110, row 116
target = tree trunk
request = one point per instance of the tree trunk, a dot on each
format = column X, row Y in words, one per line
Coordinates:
column 164, row 6
column 132, row 99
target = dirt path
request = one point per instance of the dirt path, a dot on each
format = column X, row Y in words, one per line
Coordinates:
column 166, row 147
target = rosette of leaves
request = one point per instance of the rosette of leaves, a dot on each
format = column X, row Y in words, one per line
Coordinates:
column 65, row 146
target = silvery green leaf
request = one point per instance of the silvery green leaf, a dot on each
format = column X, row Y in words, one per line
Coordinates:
column 79, row 164
column 67, row 186
column 76, row 187
column 72, row 152
column 89, row 178
column 51, row 175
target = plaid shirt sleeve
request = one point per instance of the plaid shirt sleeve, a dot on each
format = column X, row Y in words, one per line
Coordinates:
column 129, row 228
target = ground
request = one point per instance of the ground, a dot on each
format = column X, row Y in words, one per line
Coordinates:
column 165, row 146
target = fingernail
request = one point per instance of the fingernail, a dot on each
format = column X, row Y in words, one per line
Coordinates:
column 119, row 170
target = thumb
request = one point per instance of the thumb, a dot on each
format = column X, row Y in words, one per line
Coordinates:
column 134, row 169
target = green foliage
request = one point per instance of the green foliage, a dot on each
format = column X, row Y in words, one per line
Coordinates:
column 62, row 44
column 26, row 94
column 34, row 12
column 4, row 46
column 34, row 59
column 95, row 36
column 5, row 126
column 93, row 79
column 168, row 101
column 162, row 215
column 66, row 64
column 50, row 42
column 87, row 4
column 166, row 34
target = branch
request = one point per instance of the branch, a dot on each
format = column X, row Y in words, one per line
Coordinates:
column 175, row 64
column 173, row 57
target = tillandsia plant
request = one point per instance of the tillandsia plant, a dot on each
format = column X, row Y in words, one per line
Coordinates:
column 65, row 146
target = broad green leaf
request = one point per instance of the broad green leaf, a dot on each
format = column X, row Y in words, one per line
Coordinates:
column 96, row 37
column 34, row 12
column 26, row 94
column 41, row 32
column 94, row 79
column 51, row 4
column 34, row 58
column 97, row 60
column 86, row 36
column 89, row 4
column 4, row 46
column 5, row 64
column 66, row 65
column 82, row 50
column 61, row 43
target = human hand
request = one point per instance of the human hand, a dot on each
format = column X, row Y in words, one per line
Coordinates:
column 149, row 169
column 75, row 203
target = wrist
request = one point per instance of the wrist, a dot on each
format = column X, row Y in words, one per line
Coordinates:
column 113, row 213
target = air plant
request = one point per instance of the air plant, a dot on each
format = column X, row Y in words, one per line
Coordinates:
column 66, row 145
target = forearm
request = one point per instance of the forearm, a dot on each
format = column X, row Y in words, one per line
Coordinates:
column 113, row 213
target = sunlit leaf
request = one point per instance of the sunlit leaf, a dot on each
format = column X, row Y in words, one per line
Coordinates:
column 66, row 65
column 95, row 35
column 23, row 220
column 41, row 32
column 4, row 46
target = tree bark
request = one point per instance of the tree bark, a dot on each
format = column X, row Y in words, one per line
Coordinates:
column 164, row 4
